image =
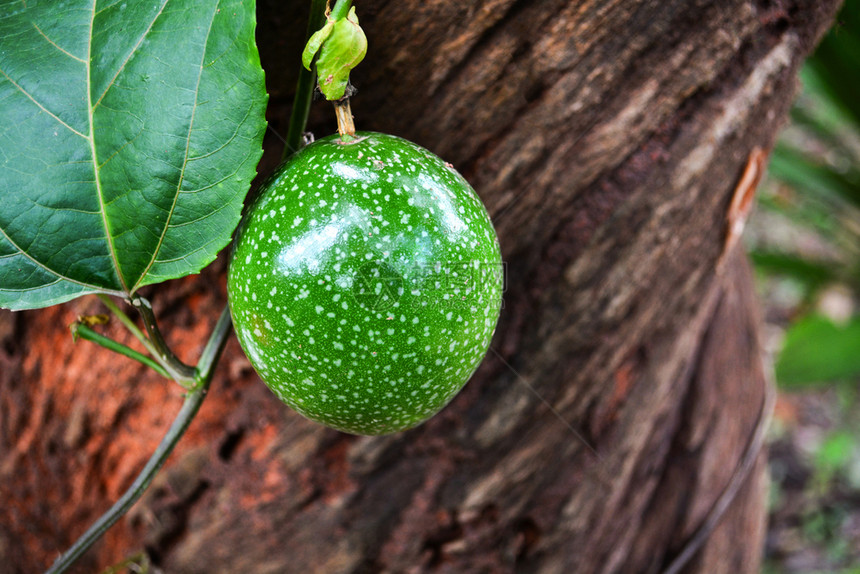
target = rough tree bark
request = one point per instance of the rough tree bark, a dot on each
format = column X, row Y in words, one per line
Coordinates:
column 607, row 138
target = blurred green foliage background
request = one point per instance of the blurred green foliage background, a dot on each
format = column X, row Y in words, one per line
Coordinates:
column 804, row 241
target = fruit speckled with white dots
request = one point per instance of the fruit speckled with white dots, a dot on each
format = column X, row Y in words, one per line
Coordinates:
column 365, row 283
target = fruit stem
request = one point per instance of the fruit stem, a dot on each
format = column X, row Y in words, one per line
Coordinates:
column 340, row 10
column 202, row 378
column 345, row 124
column 304, row 87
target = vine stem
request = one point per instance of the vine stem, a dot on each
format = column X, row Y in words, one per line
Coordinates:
column 156, row 346
column 179, row 371
column 193, row 400
column 731, row 490
column 305, row 87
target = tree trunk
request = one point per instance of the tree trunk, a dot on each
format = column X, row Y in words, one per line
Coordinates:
column 624, row 386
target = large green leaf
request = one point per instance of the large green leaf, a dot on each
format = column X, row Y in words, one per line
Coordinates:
column 130, row 131
column 816, row 350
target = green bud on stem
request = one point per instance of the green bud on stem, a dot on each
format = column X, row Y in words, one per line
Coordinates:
column 339, row 46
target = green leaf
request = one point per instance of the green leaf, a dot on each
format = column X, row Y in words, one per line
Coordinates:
column 343, row 50
column 817, row 350
column 130, row 135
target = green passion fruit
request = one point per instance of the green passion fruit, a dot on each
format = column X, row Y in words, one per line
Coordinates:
column 365, row 283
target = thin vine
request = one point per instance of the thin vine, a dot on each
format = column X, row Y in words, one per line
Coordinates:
column 305, row 87
column 203, row 377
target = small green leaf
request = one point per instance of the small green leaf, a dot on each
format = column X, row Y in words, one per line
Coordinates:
column 315, row 43
column 343, row 50
column 131, row 132
column 817, row 350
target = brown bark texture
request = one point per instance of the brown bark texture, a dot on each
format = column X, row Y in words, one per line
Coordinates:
column 607, row 138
